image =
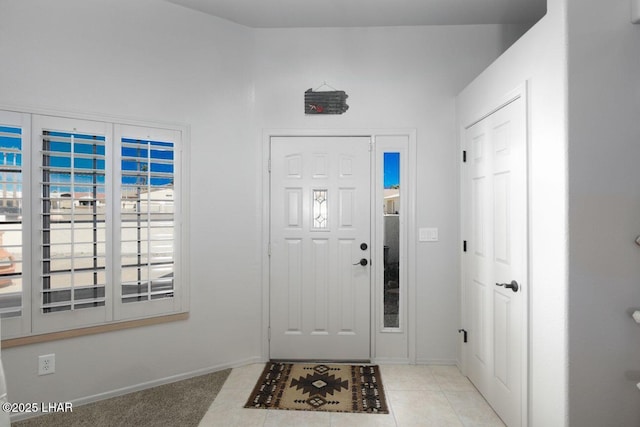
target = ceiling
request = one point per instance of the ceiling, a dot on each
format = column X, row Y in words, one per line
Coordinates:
column 367, row 13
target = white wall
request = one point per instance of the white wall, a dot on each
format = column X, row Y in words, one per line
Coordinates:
column 396, row 78
column 156, row 61
column 150, row 60
column 604, row 213
column 540, row 58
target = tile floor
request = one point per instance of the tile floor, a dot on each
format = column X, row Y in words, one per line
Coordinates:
column 420, row 395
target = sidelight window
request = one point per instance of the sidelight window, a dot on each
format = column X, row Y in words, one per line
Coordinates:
column 391, row 239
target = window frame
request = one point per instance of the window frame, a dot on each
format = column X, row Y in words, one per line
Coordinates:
column 33, row 321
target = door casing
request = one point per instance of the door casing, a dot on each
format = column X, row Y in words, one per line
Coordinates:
column 410, row 330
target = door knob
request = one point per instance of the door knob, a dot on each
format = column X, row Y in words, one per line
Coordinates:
column 513, row 285
column 363, row 262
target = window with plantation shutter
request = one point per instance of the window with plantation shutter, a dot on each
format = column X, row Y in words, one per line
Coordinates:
column 11, row 205
column 149, row 218
column 72, row 222
column 91, row 228
column 15, row 273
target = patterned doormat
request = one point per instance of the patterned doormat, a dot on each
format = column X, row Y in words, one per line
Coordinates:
column 319, row 387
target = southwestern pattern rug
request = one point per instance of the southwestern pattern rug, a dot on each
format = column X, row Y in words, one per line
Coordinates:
column 319, row 387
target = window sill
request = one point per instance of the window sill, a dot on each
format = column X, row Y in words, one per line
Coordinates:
column 73, row 333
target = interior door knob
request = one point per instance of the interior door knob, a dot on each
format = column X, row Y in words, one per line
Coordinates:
column 363, row 262
column 513, row 285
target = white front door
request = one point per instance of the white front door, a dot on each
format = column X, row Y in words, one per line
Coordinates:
column 496, row 259
column 320, row 215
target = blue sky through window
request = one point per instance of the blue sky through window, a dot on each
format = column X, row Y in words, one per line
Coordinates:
column 142, row 156
column 391, row 169
column 10, row 155
column 87, row 169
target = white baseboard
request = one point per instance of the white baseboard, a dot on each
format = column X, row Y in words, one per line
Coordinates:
column 148, row 384
column 436, row 362
column 406, row 361
column 390, row 361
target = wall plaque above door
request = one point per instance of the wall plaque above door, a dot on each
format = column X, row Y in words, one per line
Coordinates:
column 325, row 102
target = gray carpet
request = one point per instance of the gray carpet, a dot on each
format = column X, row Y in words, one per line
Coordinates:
column 182, row 403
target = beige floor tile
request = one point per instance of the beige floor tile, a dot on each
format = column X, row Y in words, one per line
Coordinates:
column 279, row 418
column 362, row 420
column 244, row 377
column 450, row 379
column 421, row 395
column 473, row 410
column 233, row 416
column 232, row 397
column 422, row 408
column 408, row 377
column 227, row 410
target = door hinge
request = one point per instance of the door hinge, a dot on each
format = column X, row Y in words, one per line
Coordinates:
column 269, row 333
column 464, row 156
column 464, row 246
column 269, row 250
column 269, row 166
column 464, row 334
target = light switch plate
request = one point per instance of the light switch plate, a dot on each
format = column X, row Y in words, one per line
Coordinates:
column 428, row 234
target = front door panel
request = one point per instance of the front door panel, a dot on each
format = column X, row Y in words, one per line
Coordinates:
column 320, row 215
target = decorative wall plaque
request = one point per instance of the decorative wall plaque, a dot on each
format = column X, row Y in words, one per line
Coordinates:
column 325, row 102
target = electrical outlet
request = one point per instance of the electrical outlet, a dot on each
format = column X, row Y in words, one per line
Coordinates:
column 46, row 364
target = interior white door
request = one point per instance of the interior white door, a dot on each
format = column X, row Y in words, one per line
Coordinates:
column 320, row 232
column 496, row 259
